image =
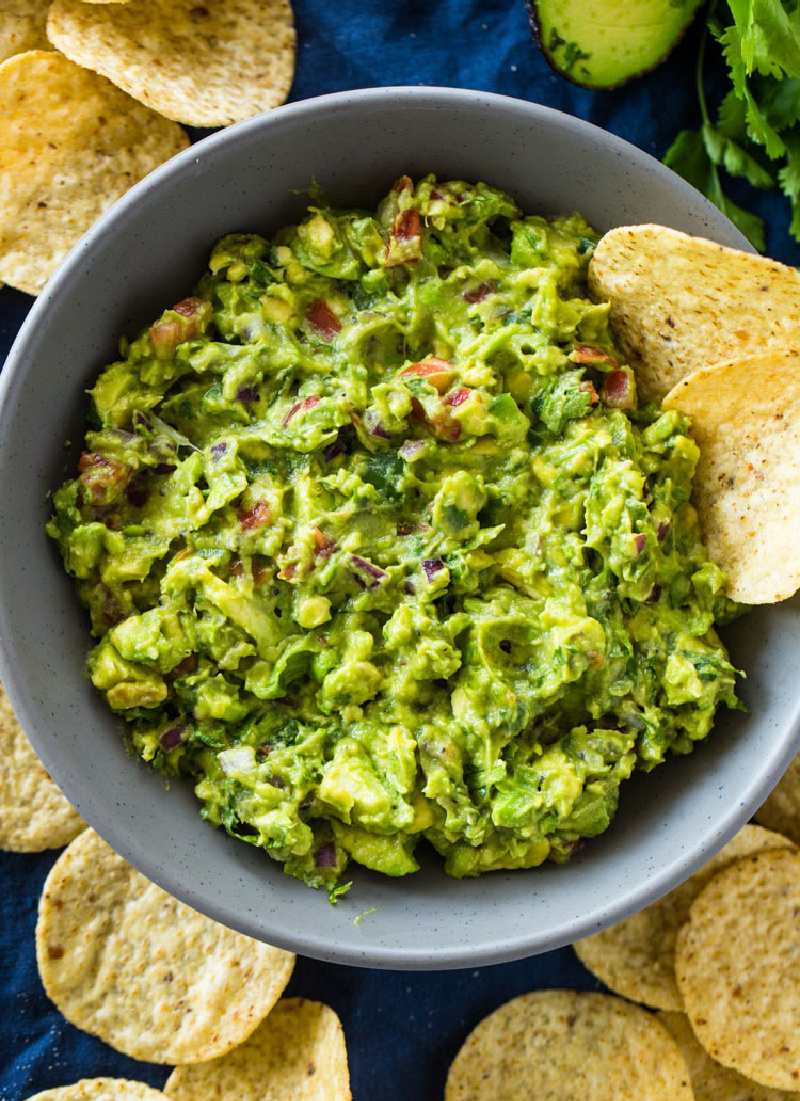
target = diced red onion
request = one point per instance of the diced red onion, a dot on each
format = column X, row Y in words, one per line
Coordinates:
column 338, row 447
column 171, row 738
column 663, row 530
column 640, row 542
column 325, row 856
column 368, row 568
column 247, row 394
column 431, row 566
column 479, row 293
column 306, row 403
column 411, row 448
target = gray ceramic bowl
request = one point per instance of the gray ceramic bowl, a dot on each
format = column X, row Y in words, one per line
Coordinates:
column 146, row 253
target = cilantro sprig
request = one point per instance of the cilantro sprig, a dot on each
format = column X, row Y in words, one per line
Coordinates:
column 756, row 135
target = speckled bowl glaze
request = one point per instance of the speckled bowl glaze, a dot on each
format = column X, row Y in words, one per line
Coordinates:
column 147, row 252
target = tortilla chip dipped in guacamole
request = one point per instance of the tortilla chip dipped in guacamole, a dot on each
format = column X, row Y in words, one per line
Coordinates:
column 378, row 544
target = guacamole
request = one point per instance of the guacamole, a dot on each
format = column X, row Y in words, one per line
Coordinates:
column 379, row 546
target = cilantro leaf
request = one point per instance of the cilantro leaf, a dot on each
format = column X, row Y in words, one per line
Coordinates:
column 768, row 37
column 731, row 156
column 758, row 127
column 688, row 156
column 779, row 100
column 757, row 133
column 789, row 179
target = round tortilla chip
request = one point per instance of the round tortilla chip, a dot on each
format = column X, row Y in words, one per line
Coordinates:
column 101, row 1089
column 737, row 961
column 23, row 26
column 710, row 1080
column 127, row 962
column 781, row 809
column 34, row 815
column 297, row 1052
column 207, row 64
column 745, row 417
column 70, row 144
column 636, row 957
column 679, row 302
column 559, row 1045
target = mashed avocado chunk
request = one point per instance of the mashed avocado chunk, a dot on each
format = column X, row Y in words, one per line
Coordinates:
column 378, row 544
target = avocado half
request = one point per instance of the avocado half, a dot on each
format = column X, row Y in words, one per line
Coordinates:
column 603, row 43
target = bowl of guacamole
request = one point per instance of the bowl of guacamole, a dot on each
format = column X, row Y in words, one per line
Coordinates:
column 367, row 570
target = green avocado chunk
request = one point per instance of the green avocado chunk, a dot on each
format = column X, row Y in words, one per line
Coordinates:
column 603, row 43
column 380, row 550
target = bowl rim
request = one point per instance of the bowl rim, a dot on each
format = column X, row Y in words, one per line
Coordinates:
column 489, row 951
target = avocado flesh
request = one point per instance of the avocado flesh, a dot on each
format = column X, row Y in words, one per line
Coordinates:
column 602, row 43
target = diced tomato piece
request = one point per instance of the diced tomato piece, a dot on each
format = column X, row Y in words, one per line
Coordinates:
column 193, row 307
column 405, row 240
column 407, row 225
column 617, row 390
column 457, row 397
column 438, row 372
column 101, row 476
column 193, row 317
column 256, row 517
column 322, row 544
column 588, row 353
column 323, row 320
column 587, row 387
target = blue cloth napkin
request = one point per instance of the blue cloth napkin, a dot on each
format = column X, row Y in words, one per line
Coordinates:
column 402, row 1028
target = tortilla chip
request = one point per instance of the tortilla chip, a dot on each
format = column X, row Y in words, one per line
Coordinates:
column 71, row 143
column 207, row 64
column 298, row 1052
column 781, row 809
column 679, row 303
column 745, row 417
column 101, row 1089
column 22, row 26
column 737, row 962
column 125, row 961
column 34, row 815
column 710, row 1080
column 559, row 1045
column 636, row 957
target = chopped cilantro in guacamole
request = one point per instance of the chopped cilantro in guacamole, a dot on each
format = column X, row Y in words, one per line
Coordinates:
column 378, row 545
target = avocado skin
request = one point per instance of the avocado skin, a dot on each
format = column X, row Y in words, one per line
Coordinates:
column 537, row 21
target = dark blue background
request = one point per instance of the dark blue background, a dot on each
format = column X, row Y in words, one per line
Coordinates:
column 402, row 1028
